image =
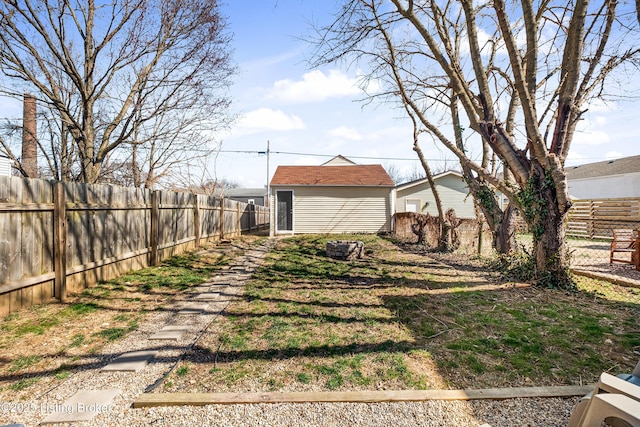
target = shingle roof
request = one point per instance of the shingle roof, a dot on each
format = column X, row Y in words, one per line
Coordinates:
column 245, row 192
column 422, row 180
column 605, row 168
column 352, row 175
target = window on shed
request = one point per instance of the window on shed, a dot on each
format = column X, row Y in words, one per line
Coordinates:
column 413, row 205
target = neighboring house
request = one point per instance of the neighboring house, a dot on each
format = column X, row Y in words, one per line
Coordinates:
column 416, row 196
column 605, row 180
column 336, row 197
column 255, row 196
column 5, row 166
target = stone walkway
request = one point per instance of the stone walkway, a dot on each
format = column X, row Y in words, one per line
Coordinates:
column 104, row 392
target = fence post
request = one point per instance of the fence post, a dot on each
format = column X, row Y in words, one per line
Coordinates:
column 592, row 219
column 155, row 216
column 221, row 218
column 196, row 219
column 239, row 219
column 60, row 241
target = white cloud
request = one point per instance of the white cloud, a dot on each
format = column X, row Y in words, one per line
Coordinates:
column 317, row 86
column 345, row 132
column 266, row 119
column 575, row 159
column 613, row 155
column 598, row 105
column 591, row 138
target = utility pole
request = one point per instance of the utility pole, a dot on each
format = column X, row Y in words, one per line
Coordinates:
column 268, row 185
column 268, row 198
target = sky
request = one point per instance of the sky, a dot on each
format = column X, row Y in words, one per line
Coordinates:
column 319, row 112
column 280, row 99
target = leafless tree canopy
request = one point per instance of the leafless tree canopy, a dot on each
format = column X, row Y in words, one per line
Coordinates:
column 133, row 84
column 516, row 76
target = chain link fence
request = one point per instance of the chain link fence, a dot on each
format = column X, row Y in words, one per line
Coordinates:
column 589, row 253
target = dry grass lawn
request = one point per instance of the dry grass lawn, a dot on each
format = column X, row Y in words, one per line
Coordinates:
column 400, row 319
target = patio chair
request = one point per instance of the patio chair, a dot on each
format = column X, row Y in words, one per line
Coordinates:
column 615, row 399
column 624, row 241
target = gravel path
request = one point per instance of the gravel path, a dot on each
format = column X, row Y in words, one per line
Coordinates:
column 515, row 412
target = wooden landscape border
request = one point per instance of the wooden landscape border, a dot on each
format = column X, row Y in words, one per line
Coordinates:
column 147, row 400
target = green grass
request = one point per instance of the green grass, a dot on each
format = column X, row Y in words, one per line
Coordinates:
column 112, row 334
column 24, row 362
column 182, row 371
column 23, row 383
column 385, row 320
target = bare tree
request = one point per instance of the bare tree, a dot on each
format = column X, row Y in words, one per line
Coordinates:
column 394, row 172
column 521, row 73
column 119, row 74
column 414, row 174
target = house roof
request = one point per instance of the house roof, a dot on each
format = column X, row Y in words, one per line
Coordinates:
column 423, row 180
column 339, row 160
column 605, row 168
column 350, row 175
column 245, row 192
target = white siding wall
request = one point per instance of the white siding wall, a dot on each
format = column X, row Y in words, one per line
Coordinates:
column 606, row 187
column 5, row 166
column 453, row 193
column 341, row 210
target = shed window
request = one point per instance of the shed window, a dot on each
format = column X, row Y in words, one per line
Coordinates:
column 413, row 205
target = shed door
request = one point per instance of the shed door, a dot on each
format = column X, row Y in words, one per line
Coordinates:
column 284, row 210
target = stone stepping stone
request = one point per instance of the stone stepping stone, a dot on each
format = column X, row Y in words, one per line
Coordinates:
column 82, row 406
column 131, row 362
column 170, row 333
column 193, row 308
column 208, row 296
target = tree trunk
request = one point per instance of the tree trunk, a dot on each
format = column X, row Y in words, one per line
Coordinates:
column 550, row 247
column 504, row 240
column 546, row 218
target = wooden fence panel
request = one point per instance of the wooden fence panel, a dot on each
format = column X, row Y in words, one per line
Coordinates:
column 70, row 238
column 209, row 217
column 594, row 219
column 230, row 222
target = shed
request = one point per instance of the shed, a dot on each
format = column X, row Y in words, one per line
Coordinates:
column 252, row 196
column 336, row 197
column 417, row 196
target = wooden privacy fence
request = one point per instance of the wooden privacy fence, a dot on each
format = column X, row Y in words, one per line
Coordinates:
column 62, row 237
column 468, row 232
column 594, row 219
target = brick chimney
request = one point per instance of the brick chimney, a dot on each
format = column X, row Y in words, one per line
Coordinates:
column 29, row 137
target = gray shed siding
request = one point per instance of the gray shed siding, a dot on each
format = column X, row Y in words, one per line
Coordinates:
column 333, row 210
column 453, row 192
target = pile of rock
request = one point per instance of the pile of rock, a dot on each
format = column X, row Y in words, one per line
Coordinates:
column 345, row 249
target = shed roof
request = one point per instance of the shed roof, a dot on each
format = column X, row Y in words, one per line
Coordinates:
column 605, row 168
column 350, row 175
column 410, row 184
column 245, row 192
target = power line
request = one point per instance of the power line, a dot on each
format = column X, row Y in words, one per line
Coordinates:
column 292, row 153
